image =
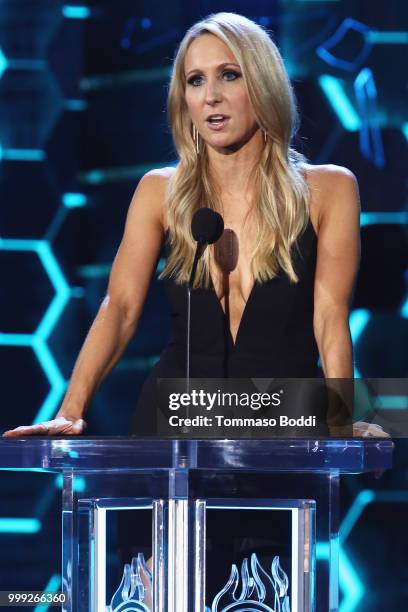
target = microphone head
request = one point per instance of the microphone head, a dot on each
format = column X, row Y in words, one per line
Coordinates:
column 207, row 226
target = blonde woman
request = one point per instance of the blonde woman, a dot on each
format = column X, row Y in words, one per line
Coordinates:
column 274, row 292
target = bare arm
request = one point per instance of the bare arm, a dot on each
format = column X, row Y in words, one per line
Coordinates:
column 120, row 311
column 338, row 258
column 338, row 253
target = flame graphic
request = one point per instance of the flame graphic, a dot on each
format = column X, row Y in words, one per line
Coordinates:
column 134, row 593
column 260, row 592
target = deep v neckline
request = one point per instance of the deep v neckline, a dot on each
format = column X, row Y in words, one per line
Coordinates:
column 224, row 315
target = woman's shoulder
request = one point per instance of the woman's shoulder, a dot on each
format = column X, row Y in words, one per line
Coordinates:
column 332, row 188
column 154, row 184
column 327, row 174
column 156, row 181
column 159, row 176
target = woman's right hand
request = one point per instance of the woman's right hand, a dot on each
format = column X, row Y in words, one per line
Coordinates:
column 62, row 425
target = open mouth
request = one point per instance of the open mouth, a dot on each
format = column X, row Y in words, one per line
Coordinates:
column 217, row 121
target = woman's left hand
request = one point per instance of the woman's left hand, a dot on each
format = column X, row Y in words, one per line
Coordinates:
column 361, row 429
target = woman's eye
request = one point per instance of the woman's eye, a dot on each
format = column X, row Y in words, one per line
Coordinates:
column 230, row 75
column 195, row 80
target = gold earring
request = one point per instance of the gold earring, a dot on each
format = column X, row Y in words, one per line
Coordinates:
column 196, row 139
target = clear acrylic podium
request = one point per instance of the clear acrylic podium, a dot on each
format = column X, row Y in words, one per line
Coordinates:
column 289, row 487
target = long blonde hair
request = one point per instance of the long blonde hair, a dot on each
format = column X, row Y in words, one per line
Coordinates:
column 282, row 202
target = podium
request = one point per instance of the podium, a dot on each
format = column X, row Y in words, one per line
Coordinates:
column 285, row 491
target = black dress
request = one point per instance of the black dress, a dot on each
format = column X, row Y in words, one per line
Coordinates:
column 275, row 336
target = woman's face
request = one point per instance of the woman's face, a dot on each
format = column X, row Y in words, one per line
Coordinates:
column 216, row 95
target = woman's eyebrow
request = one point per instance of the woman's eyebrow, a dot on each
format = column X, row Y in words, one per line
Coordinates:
column 220, row 66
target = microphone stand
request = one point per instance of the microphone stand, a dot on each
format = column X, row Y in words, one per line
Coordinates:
column 199, row 251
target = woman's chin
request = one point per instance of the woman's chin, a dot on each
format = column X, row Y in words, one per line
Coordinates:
column 224, row 144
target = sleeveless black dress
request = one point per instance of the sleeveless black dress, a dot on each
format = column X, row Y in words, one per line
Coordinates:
column 275, row 336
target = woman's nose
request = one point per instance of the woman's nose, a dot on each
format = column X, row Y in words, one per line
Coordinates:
column 213, row 92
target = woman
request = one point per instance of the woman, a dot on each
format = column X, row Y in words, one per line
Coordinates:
column 279, row 280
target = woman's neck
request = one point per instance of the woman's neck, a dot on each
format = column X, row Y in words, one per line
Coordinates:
column 232, row 170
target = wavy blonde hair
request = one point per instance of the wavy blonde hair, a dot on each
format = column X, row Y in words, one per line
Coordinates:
column 281, row 206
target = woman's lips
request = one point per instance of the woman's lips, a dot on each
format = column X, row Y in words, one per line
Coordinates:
column 217, row 125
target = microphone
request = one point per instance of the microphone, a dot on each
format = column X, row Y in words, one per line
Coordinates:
column 207, row 227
